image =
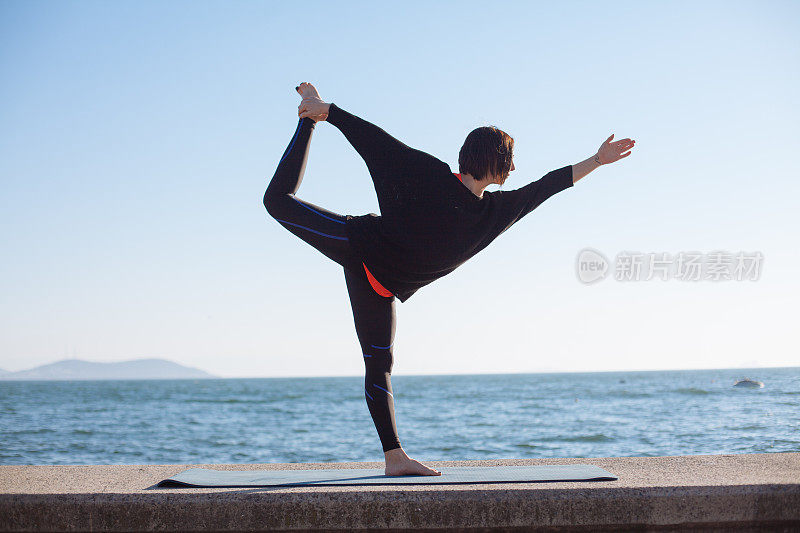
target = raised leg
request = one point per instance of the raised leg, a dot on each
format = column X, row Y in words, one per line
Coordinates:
column 319, row 227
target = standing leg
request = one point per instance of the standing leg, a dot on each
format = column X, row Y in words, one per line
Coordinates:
column 374, row 317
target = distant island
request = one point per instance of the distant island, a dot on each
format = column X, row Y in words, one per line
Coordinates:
column 76, row 369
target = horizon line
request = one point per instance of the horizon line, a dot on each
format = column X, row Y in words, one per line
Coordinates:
column 2, row 378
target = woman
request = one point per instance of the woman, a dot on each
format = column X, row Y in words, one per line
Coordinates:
column 432, row 220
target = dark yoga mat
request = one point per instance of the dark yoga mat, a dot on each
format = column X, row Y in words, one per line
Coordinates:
column 203, row 477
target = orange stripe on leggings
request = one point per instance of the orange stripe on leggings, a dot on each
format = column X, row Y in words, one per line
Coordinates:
column 380, row 289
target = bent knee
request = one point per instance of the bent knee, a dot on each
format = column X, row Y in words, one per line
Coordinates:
column 274, row 203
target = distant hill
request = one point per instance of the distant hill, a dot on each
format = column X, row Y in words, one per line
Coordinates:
column 76, row 369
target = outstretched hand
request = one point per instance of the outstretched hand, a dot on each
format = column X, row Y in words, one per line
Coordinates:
column 612, row 151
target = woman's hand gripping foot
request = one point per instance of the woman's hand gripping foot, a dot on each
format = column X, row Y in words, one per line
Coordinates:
column 312, row 105
column 400, row 464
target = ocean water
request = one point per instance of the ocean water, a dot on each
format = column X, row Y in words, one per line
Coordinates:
column 439, row 417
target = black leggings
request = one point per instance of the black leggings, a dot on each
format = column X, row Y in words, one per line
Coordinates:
column 374, row 315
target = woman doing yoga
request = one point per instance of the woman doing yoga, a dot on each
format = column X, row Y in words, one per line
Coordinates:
column 432, row 220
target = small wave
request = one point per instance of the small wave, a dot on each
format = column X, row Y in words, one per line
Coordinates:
column 36, row 431
column 597, row 437
column 229, row 401
column 448, row 449
column 692, row 391
column 631, row 394
column 6, row 455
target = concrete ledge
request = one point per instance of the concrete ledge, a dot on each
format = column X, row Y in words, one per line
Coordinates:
column 751, row 492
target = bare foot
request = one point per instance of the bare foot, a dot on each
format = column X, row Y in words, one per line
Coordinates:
column 312, row 105
column 400, row 464
column 307, row 90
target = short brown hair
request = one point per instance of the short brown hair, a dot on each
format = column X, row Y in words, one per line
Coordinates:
column 486, row 151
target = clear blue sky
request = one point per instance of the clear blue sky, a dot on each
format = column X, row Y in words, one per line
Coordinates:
column 137, row 138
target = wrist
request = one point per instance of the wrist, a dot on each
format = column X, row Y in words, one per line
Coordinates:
column 326, row 110
column 596, row 159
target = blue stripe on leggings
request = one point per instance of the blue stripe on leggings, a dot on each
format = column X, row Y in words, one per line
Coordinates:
column 313, row 230
column 289, row 150
column 367, row 355
column 368, row 394
column 381, row 347
column 381, row 388
column 315, row 211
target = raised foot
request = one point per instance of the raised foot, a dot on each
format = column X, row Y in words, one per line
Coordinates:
column 307, row 90
column 312, row 105
column 400, row 464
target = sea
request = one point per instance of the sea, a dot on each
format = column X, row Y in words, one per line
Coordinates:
column 439, row 417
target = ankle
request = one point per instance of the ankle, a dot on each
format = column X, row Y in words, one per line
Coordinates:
column 395, row 454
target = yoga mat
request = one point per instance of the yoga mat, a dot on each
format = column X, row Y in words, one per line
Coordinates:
column 203, row 477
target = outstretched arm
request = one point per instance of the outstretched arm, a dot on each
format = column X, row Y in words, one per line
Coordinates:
column 608, row 153
column 519, row 202
column 369, row 140
column 384, row 155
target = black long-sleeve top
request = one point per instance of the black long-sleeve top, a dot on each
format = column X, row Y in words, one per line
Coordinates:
column 430, row 222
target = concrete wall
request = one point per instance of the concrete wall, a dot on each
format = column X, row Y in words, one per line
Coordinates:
column 750, row 492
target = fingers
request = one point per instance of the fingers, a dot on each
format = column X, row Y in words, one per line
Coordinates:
column 625, row 145
column 307, row 103
column 630, row 148
column 308, row 107
column 312, row 104
column 309, row 100
column 620, row 145
column 313, row 115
